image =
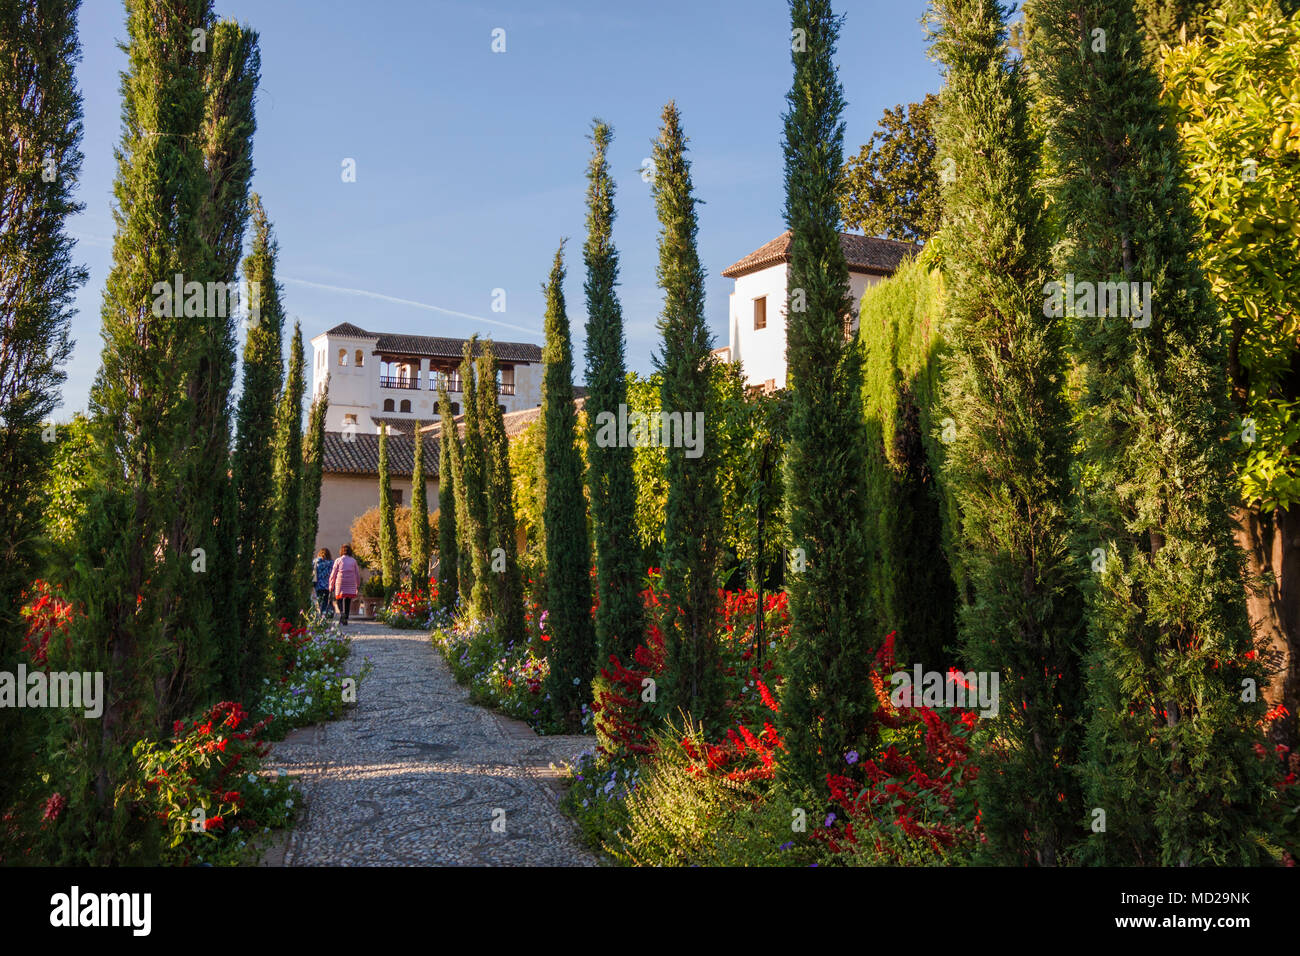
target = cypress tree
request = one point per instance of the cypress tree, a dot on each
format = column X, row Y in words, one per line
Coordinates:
column 508, row 599
column 448, row 491
column 387, row 519
column 253, row 462
column 419, row 519
column 613, row 490
column 464, row 534
column 126, row 583
column 286, row 599
column 1009, row 464
column 692, row 515
column 1172, row 723
column 39, row 106
column 313, row 464
column 568, row 551
column 231, row 78
column 827, row 702
column 473, row 483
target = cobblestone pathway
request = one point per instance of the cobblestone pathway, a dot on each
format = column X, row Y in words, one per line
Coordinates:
column 414, row 773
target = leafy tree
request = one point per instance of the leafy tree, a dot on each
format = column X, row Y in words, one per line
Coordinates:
column 476, row 519
column 253, row 463
column 367, row 529
column 313, row 464
column 613, row 492
column 827, row 702
column 286, row 598
column 1008, row 465
column 40, row 119
column 891, row 187
column 692, row 515
column 508, row 599
column 526, row 454
column 128, row 574
column 388, row 557
column 1170, row 748
column 448, row 491
column 568, row 551
column 912, row 579
column 1230, row 86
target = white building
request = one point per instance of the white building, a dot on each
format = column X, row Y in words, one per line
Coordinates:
column 756, row 324
column 384, row 378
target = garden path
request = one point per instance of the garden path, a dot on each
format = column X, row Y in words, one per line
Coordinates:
column 416, row 775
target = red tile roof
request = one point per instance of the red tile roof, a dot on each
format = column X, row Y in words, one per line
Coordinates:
column 866, row 254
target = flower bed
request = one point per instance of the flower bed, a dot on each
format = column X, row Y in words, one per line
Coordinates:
column 313, row 685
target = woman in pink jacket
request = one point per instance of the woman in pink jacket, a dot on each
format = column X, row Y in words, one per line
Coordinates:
column 345, row 579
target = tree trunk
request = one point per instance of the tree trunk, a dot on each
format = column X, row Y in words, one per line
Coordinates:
column 1271, row 541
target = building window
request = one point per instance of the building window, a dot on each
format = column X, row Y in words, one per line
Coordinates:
column 349, row 419
column 343, row 357
column 361, row 358
column 455, row 408
column 397, row 497
column 406, row 406
column 760, row 313
column 388, row 405
column 506, row 380
column 503, row 409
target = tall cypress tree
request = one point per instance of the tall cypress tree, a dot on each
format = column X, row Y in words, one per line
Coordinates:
column 419, row 519
column 286, row 598
column 448, row 491
column 507, row 583
column 127, row 584
column 313, row 464
column 39, row 106
column 692, row 515
column 1009, row 464
column 209, row 517
column 827, row 703
column 613, row 490
column 473, row 483
column 253, row 462
column 568, row 551
column 1169, row 752
column 464, row 533
column 387, row 519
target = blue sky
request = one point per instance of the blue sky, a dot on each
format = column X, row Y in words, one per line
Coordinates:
column 471, row 164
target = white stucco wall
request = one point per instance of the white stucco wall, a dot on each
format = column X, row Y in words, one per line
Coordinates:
column 761, row 352
column 344, row 498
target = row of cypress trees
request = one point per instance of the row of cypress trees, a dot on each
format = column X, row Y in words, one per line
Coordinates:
column 186, row 547
column 1092, row 543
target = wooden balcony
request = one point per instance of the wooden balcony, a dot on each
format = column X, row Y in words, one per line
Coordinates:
column 397, row 381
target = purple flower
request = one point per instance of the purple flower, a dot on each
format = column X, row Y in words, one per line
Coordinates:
column 786, row 845
column 851, row 757
column 830, row 818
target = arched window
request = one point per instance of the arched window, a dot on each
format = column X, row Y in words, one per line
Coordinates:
column 455, row 408
column 361, row 359
column 388, row 404
column 406, row 406
column 343, row 356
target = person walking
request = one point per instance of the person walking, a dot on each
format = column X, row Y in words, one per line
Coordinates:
column 344, row 582
column 320, row 574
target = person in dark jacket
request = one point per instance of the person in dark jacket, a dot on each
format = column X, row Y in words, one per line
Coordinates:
column 320, row 570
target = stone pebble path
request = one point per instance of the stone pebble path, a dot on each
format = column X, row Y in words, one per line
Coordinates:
column 415, row 774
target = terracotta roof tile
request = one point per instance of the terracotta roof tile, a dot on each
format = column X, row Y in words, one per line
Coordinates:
column 358, row 454
column 437, row 346
column 864, row 254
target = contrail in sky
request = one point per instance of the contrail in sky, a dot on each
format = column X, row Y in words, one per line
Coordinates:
column 419, row 305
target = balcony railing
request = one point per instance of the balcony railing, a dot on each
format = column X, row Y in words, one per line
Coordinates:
column 398, row 381
column 506, row 388
column 453, row 383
